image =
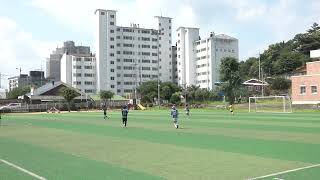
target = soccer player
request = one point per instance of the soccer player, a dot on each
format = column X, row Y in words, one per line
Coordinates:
column 104, row 108
column 124, row 113
column 187, row 111
column 231, row 109
column 174, row 115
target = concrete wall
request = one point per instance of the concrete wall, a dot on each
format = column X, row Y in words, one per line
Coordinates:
column 313, row 67
column 308, row 97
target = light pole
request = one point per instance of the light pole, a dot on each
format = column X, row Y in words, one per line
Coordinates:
column 158, row 32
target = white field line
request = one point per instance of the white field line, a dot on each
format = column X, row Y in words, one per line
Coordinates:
column 23, row 170
column 285, row 172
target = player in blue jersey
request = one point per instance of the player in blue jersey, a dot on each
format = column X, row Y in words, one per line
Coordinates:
column 174, row 115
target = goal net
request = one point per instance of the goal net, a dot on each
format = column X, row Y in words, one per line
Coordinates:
column 275, row 104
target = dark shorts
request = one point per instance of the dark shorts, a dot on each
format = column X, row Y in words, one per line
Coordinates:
column 124, row 119
column 105, row 113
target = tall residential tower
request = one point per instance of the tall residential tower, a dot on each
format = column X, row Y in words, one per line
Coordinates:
column 199, row 59
column 128, row 56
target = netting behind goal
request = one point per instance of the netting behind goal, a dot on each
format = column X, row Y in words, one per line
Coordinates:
column 276, row 104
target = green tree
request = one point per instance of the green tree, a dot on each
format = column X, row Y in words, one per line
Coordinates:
column 202, row 95
column 279, row 83
column 289, row 61
column 69, row 94
column 230, row 76
column 19, row 91
column 105, row 95
column 191, row 92
column 148, row 91
column 175, row 98
column 167, row 89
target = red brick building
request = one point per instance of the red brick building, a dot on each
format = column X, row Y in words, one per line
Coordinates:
column 305, row 88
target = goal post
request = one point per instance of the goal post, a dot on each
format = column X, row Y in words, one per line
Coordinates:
column 274, row 104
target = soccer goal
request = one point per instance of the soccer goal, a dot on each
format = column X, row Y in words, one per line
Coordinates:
column 275, row 104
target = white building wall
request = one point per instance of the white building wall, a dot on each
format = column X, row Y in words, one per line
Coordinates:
column 79, row 72
column 164, row 25
column 128, row 56
column 181, row 67
column 105, row 38
column 199, row 60
column 186, row 56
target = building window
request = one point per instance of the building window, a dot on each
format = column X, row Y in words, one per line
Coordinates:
column 111, row 78
column 88, row 67
column 302, row 89
column 111, row 70
column 111, row 62
column 112, row 16
column 76, row 67
column 112, row 86
column 102, row 13
column 111, row 39
column 112, row 46
column 314, row 90
column 111, row 23
column 111, row 31
column 88, row 83
column 77, row 82
column 88, row 75
column 88, row 91
column 111, row 54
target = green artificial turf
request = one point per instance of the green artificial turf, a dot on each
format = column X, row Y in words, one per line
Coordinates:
column 211, row 144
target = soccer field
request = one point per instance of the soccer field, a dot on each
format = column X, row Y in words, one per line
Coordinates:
column 210, row 145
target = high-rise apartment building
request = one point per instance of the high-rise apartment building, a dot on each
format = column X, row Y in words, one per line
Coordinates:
column 199, row 59
column 128, row 56
column 79, row 71
column 53, row 63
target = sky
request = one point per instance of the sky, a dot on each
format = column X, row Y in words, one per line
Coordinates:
column 31, row 29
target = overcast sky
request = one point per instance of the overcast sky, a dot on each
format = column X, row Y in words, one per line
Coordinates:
column 31, row 29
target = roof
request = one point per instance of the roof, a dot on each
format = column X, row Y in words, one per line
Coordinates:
column 187, row 28
column 255, row 82
column 50, row 86
column 162, row 17
column 224, row 36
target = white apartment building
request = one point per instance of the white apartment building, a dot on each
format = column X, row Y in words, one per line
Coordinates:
column 79, row 71
column 199, row 59
column 128, row 56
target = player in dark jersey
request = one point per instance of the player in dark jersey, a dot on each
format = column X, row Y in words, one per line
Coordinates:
column 187, row 111
column 124, row 113
column 104, row 108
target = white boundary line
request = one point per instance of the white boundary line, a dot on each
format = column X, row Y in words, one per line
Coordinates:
column 23, row 170
column 285, row 172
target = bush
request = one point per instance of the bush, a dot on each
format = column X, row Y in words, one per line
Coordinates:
column 175, row 98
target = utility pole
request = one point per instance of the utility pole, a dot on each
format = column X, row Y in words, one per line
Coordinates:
column 158, row 69
column 259, row 67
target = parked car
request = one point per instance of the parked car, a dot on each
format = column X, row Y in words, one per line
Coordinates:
column 10, row 106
